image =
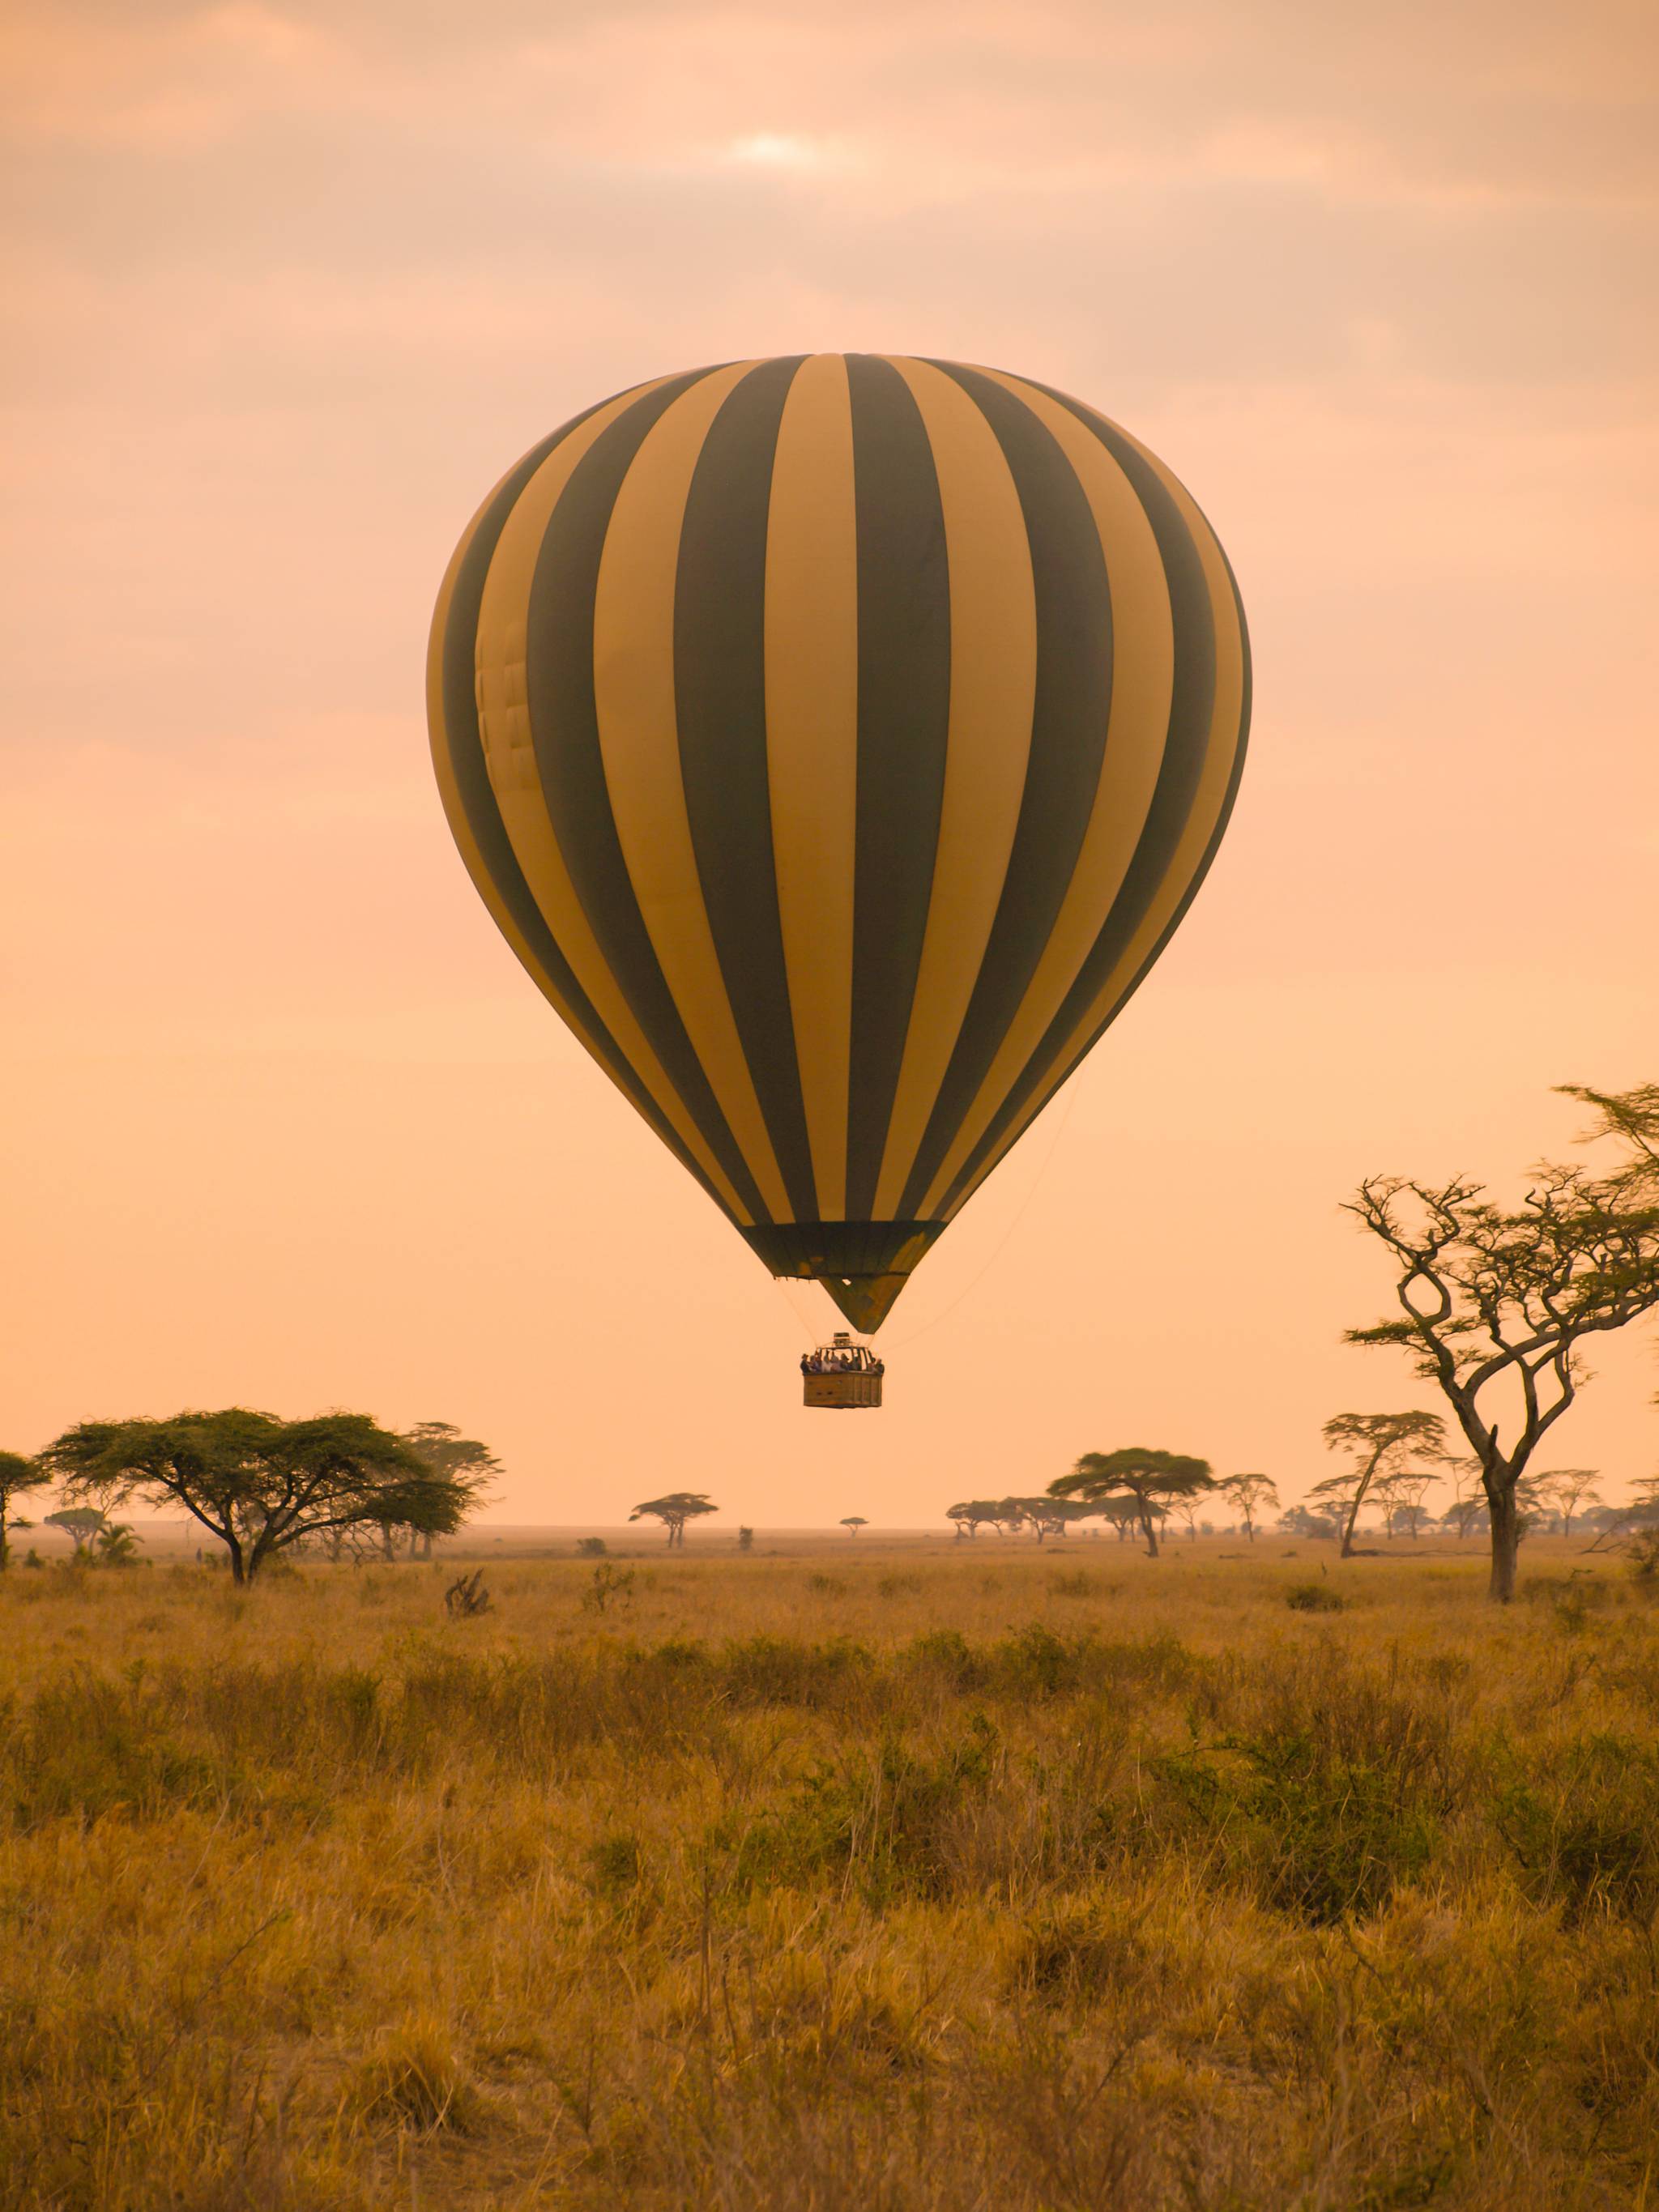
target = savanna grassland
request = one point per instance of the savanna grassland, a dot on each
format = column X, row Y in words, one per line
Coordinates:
column 1032, row 1880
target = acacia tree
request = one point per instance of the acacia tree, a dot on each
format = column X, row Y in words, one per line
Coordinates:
column 1250, row 1494
column 258, row 1484
column 1152, row 1479
column 1044, row 1516
column 1053, row 1516
column 1186, row 1512
column 973, row 1514
column 1401, row 1496
column 1121, row 1514
column 1566, row 1489
column 674, row 1511
column 466, row 1463
column 853, row 1522
column 17, row 1474
column 1308, row 1519
column 1494, row 1301
column 1381, row 1446
column 80, row 1523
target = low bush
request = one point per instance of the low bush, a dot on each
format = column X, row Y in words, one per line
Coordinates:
column 1313, row 1597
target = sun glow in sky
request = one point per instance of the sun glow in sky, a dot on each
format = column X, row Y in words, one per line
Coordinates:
column 771, row 149
column 291, row 284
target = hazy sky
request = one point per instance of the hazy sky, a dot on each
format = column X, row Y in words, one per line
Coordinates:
column 290, row 285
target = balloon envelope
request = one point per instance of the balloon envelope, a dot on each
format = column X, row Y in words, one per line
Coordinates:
column 837, row 740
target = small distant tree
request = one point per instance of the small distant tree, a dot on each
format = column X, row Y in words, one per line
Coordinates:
column 1313, row 1517
column 745, row 1540
column 257, row 1484
column 1044, row 1516
column 854, row 1522
column 975, row 1514
column 18, row 1474
column 81, row 1524
column 1152, row 1479
column 1185, row 1511
column 1380, row 1445
column 1250, row 1495
column 1054, row 1517
column 1496, row 1302
column 674, row 1511
column 1568, row 1490
column 1465, row 1515
column 1121, row 1515
column 1401, row 1496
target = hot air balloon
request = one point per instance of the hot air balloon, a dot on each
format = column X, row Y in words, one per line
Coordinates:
column 838, row 739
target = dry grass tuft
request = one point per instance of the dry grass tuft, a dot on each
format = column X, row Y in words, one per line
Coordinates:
column 416, row 2080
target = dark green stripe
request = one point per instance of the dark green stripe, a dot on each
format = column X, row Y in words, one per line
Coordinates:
column 811, row 1249
column 1071, row 708
column 719, row 692
column 457, row 683
column 904, row 699
column 1192, row 705
column 564, row 726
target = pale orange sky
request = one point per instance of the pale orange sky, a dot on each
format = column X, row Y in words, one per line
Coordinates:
column 290, row 285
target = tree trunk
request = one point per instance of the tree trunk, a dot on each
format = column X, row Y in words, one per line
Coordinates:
column 1150, row 1532
column 1506, row 1540
column 238, row 1571
column 1347, row 1551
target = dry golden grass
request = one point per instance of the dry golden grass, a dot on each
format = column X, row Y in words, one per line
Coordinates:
column 1032, row 1881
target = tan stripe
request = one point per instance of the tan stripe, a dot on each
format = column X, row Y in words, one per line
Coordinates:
column 1226, row 736
column 510, row 757
column 812, row 743
column 639, row 740
column 449, row 791
column 1143, row 676
column 992, row 685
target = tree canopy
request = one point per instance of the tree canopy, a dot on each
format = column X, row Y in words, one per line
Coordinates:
column 259, row 1485
column 1150, row 1478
